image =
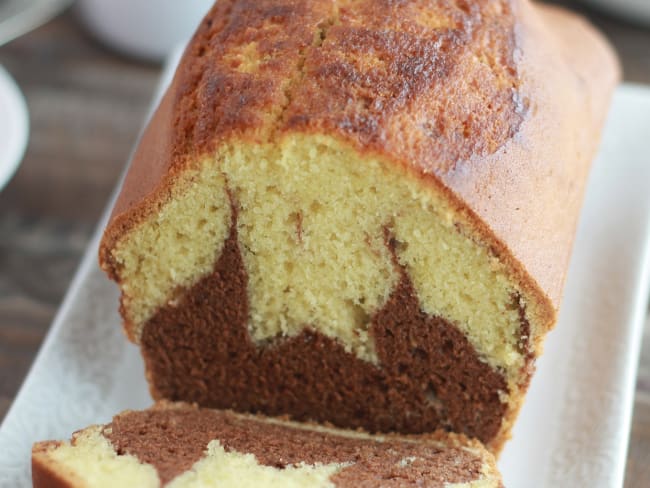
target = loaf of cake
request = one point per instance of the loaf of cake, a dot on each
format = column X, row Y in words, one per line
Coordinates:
column 361, row 212
column 181, row 446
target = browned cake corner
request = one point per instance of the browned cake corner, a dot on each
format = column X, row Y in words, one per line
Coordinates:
column 179, row 446
column 361, row 212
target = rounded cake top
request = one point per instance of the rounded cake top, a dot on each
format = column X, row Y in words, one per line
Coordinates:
column 434, row 81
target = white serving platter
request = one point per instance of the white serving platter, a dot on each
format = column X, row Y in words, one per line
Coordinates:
column 574, row 428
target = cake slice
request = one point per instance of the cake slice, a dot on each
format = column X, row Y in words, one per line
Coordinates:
column 361, row 212
column 181, row 446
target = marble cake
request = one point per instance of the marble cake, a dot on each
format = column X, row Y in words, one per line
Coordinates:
column 361, row 212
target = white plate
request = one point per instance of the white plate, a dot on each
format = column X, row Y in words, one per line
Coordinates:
column 14, row 127
column 574, row 428
column 20, row 16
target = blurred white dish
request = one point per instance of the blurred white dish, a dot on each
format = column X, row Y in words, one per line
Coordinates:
column 20, row 16
column 634, row 10
column 14, row 127
column 146, row 29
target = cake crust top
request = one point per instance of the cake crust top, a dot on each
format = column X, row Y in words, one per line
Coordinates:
column 434, row 80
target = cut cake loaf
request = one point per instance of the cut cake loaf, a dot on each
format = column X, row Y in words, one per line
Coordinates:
column 179, row 446
column 361, row 212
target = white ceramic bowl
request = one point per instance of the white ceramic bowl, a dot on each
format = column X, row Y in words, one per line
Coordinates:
column 637, row 11
column 14, row 127
column 147, row 29
column 20, row 16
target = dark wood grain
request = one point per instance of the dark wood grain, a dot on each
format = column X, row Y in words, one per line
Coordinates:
column 87, row 106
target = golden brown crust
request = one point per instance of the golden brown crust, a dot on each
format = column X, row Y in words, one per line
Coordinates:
column 44, row 474
column 498, row 104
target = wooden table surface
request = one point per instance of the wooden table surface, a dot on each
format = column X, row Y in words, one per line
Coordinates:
column 86, row 106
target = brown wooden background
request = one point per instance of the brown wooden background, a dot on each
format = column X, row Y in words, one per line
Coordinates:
column 86, row 106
